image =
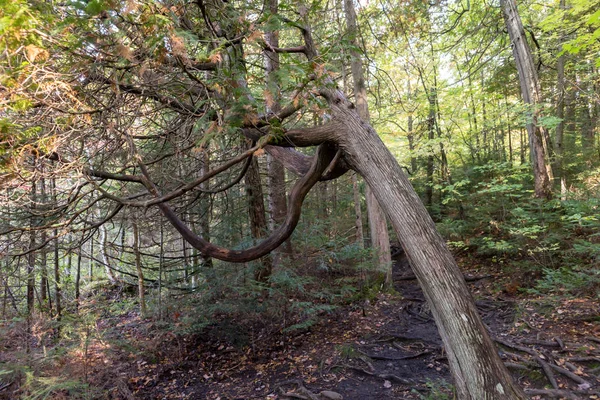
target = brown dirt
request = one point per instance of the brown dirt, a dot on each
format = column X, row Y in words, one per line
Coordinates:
column 387, row 349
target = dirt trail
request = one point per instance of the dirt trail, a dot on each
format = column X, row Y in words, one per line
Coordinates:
column 390, row 349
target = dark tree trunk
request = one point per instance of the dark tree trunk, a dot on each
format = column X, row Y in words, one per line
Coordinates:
column 258, row 222
column 206, row 261
column 78, row 279
column 276, row 193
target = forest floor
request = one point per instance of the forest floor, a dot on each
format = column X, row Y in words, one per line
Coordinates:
column 387, row 349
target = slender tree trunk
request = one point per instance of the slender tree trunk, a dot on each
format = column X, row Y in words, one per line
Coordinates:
column 31, row 268
column 539, row 143
column 104, row 253
column 276, row 193
column 358, row 221
column 57, row 278
column 474, row 118
column 430, row 165
column 161, row 260
column 377, row 223
column 258, row 222
column 560, row 113
column 508, row 127
column 138, row 267
column 91, row 260
column 43, row 253
column 206, row 261
column 78, row 279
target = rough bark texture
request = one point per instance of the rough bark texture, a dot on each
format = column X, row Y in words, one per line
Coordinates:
column 276, row 196
column 539, row 143
column 258, row 221
column 380, row 240
column 478, row 371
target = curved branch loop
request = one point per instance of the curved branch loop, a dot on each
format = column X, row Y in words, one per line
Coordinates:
column 321, row 161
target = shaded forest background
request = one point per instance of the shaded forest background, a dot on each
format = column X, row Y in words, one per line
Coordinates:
column 90, row 87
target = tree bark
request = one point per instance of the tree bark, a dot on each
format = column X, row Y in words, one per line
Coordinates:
column 258, row 222
column 539, row 143
column 358, row 221
column 104, row 254
column 560, row 113
column 43, row 254
column 31, row 270
column 57, row 277
column 380, row 240
column 276, row 196
column 78, row 280
column 138, row 267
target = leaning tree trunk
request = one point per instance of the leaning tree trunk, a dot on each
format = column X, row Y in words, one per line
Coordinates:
column 477, row 369
column 539, row 142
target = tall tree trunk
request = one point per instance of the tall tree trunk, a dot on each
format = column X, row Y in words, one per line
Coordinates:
column 588, row 114
column 57, row 278
column 358, row 221
column 161, row 260
column 43, row 252
column 560, row 113
column 377, row 223
column 31, row 269
column 430, row 165
column 138, row 267
column 539, row 143
column 206, row 261
column 104, row 254
column 78, row 279
column 276, row 193
column 258, row 222
column 91, row 260
column 473, row 114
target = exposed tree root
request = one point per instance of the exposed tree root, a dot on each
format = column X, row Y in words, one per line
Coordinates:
column 549, row 367
column 388, row 377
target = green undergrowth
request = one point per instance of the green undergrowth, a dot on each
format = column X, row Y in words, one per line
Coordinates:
column 552, row 246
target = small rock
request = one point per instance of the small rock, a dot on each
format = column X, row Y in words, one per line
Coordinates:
column 387, row 384
column 328, row 394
